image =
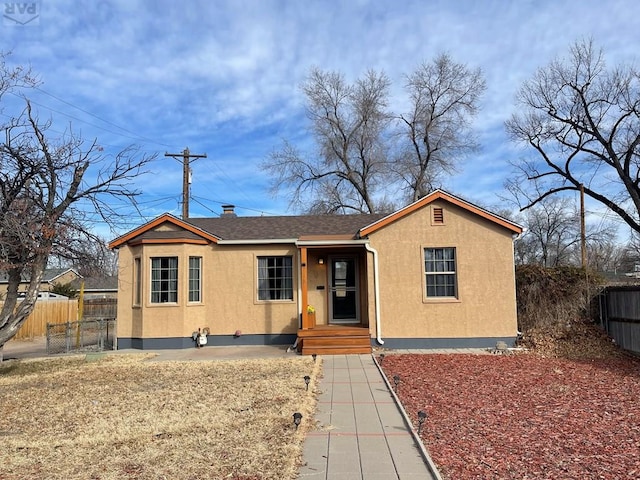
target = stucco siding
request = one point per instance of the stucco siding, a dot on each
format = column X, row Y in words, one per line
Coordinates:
column 485, row 304
column 229, row 300
column 234, row 294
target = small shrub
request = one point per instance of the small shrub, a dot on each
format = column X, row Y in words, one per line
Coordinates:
column 64, row 289
column 555, row 312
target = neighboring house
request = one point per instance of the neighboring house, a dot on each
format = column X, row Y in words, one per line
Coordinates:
column 438, row 273
column 51, row 277
column 97, row 287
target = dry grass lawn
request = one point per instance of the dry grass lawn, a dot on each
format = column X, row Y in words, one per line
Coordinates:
column 127, row 417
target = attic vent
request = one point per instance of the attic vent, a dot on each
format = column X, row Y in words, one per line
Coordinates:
column 438, row 215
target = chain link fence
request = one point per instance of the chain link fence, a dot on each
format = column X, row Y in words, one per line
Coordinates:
column 93, row 335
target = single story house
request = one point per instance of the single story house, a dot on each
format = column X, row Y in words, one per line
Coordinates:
column 97, row 287
column 50, row 278
column 438, row 273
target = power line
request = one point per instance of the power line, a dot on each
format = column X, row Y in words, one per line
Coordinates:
column 53, row 130
column 132, row 136
column 108, row 122
column 261, row 212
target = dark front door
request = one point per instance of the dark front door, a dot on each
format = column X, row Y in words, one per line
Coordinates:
column 343, row 304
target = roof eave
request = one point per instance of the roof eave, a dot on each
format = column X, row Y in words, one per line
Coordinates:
column 440, row 194
column 167, row 217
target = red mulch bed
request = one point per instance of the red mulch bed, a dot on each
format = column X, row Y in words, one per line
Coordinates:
column 523, row 416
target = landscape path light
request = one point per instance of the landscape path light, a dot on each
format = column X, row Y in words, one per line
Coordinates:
column 297, row 418
column 422, row 416
column 307, row 379
column 396, row 381
column 381, row 358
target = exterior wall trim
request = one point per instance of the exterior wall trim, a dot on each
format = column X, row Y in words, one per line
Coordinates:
column 212, row 341
column 444, row 343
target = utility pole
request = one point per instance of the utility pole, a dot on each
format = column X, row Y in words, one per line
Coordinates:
column 186, row 176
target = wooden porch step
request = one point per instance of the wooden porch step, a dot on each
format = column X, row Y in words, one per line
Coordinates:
column 336, row 350
column 334, row 341
column 333, row 331
column 342, row 341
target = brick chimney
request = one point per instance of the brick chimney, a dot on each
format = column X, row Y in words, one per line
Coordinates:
column 227, row 211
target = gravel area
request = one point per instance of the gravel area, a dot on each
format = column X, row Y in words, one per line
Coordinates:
column 524, row 416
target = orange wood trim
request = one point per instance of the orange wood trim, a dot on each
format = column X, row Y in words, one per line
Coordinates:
column 429, row 199
column 306, row 321
column 159, row 221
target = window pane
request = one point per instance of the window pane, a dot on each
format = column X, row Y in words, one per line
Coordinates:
column 164, row 279
column 137, row 292
column 275, row 278
column 195, row 279
column 440, row 271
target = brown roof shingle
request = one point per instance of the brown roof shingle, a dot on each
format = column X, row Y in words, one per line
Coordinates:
column 283, row 227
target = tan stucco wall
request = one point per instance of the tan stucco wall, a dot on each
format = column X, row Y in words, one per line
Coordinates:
column 486, row 304
column 485, row 307
column 229, row 293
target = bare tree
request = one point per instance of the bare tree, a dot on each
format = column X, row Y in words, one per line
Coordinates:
column 628, row 258
column 49, row 188
column 90, row 257
column 552, row 236
column 436, row 133
column 367, row 153
column 582, row 120
column 606, row 255
column 348, row 122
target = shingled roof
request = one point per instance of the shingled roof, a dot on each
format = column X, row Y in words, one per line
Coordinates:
column 278, row 228
column 283, row 227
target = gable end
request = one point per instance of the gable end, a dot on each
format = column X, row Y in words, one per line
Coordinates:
column 439, row 194
column 165, row 229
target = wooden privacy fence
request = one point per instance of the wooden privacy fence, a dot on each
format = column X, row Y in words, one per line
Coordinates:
column 47, row 311
column 63, row 311
column 620, row 315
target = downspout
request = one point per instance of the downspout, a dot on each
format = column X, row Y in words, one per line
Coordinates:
column 293, row 347
column 299, row 301
column 376, row 289
column 514, row 238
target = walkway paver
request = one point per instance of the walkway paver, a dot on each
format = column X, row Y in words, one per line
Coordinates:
column 361, row 431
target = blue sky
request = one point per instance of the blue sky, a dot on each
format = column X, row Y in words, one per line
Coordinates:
column 222, row 77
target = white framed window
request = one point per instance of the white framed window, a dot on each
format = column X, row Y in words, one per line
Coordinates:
column 440, row 272
column 164, row 279
column 195, row 279
column 275, row 278
column 137, row 281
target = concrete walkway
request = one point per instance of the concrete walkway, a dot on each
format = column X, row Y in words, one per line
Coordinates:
column 362, row 434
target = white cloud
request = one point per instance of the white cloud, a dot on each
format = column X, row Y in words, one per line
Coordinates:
column 222, row 77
